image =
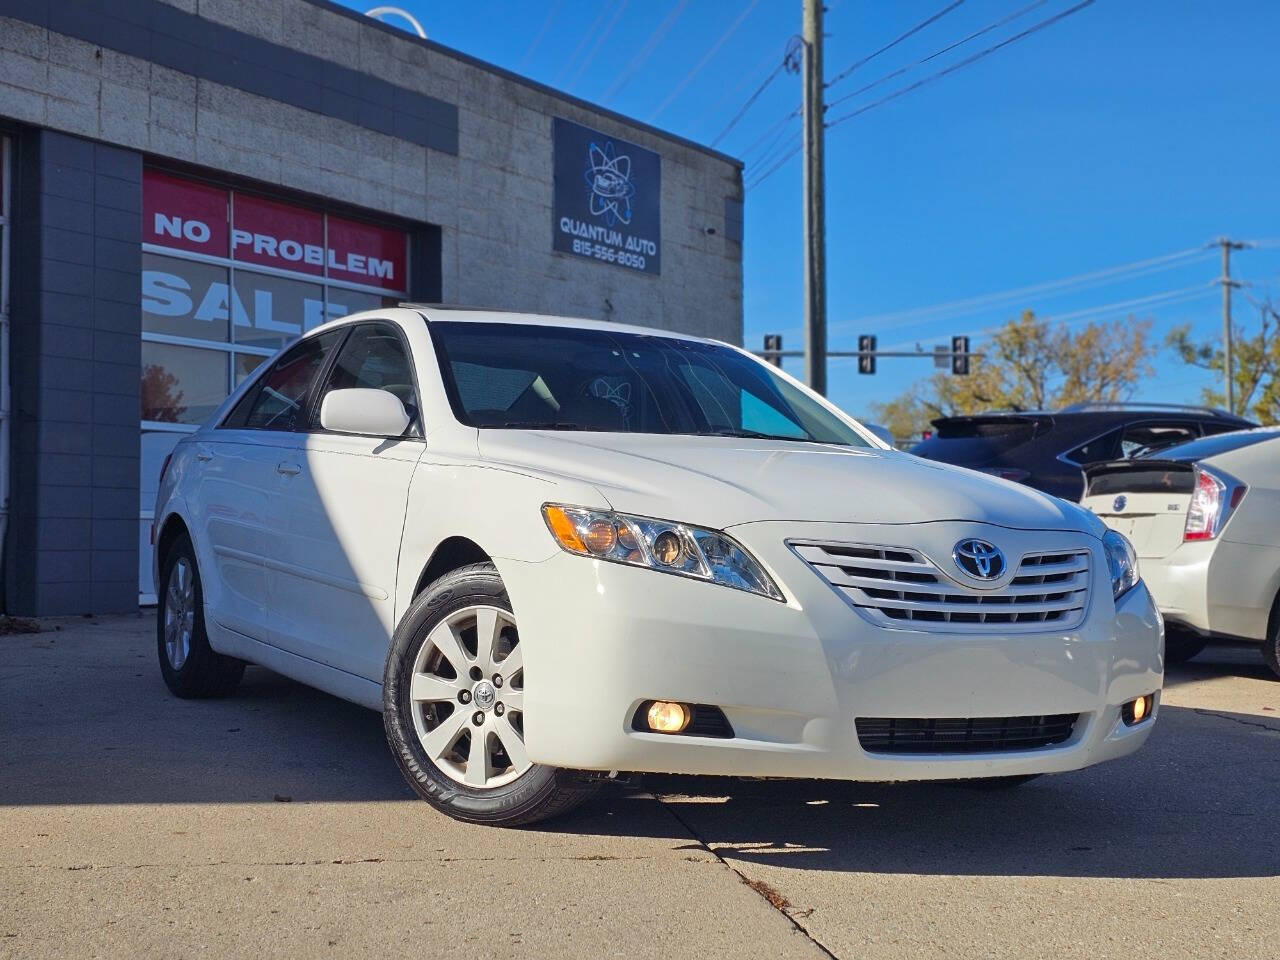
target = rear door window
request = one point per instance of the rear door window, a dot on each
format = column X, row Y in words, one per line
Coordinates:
column 1140, row 439
column 977, row 441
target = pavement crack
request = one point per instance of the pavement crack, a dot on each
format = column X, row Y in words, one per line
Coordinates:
column 767, row 893
column 1202, row 711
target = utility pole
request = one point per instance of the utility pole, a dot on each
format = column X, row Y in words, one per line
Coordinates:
column 815, row 225
column 1228, row 365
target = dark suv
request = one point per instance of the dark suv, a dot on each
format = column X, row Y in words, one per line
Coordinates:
column 1047, row 450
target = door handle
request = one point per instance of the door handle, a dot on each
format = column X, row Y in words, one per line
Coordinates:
column 288, row 469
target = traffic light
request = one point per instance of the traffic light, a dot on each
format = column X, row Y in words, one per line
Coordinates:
column 960, row 356
column 866, row 353
column 773, row 348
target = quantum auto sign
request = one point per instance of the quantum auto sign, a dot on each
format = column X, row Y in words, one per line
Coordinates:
column 199, row 218
column 606, row 198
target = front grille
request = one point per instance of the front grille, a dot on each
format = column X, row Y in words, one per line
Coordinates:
column 965, row 735
column 898, row 586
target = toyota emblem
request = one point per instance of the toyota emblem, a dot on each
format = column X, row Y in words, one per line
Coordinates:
column 979, row 559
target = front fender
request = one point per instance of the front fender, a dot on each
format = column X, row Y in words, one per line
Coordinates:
column 498, row 508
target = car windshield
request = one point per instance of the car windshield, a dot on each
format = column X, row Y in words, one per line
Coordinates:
column 526, row 377
column 1212, row 446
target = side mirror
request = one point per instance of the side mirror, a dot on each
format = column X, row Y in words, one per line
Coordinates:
column 376, row 413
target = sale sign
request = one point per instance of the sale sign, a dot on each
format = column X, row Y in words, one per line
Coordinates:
column 181, row 214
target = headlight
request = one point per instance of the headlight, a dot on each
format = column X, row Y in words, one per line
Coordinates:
column 1122, row 562
column 677, row 548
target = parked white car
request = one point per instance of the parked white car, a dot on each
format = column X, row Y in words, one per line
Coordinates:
column 1204, row 517
column 552, row 549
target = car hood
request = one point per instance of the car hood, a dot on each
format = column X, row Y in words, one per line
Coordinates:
column 722, row 481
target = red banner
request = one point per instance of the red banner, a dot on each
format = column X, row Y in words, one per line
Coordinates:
column 363, row 253
column 185, row 215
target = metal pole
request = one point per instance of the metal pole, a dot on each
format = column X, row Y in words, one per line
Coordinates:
column 1228, row 366
column 815, row 228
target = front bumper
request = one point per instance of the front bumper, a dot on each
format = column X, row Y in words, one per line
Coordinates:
column 791, row 677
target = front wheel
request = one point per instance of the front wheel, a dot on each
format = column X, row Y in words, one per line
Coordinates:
column 453, row 707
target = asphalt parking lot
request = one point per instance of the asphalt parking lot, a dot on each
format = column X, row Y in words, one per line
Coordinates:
column 275, row 823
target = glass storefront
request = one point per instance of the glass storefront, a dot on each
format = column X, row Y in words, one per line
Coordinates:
column 227, row 279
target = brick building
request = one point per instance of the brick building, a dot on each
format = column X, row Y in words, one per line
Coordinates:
column 187, row 184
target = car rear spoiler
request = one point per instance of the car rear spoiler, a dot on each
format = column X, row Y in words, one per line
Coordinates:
column 1139, row 476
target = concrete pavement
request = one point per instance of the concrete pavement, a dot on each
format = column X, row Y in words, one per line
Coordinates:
column 275, row 823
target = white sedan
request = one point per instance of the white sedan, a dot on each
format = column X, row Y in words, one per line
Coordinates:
column 548, row 550
column 1204, row 517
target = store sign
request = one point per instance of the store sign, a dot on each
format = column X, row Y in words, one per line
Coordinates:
column 606, row 198
column 195, row 217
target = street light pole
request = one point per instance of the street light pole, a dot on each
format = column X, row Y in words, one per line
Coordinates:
column 815, row 228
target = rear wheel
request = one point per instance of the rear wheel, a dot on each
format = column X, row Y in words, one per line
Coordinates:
column 1180, row 644
column 190, row 667
column 453, row 707
column 1271, row 645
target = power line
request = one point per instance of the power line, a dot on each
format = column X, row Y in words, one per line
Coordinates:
column 1093, row 278
column 758, row 180
column 786, row 61
column 569, row 60
column 995, row 24
column 711, row 52
column 967, row 61
column 542, row 32
column 646, row 51
column 600, row 39
column 1166, row 298
column 893, row 43
column 769, row 131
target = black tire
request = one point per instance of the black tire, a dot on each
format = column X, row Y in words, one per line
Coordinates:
column 204, row 672
column 997, row 783
column 537, row 794
column 1181, row 644
column 1271, row 645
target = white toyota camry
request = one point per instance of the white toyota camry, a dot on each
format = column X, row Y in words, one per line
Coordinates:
column 549, row 549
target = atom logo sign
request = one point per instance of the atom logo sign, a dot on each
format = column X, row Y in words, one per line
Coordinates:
column 609, row 183
column 606, row 202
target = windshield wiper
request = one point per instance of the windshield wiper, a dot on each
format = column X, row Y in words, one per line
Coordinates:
column 757, row 435
column 540, row 425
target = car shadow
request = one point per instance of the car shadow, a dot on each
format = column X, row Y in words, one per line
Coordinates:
column 96, row 726
column 1197, row 801
column 1221, row 659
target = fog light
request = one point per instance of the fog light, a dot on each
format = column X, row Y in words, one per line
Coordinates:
column 667, row 717
column 1135, row 711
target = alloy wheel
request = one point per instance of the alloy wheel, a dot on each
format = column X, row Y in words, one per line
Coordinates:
column 179, row 613
column 467, row 697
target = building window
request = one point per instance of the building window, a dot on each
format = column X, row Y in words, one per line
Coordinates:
column 228, row 278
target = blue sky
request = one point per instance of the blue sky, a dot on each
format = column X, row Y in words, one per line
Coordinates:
column 1128, row 132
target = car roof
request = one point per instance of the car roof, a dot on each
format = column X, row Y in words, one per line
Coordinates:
column 1104, row 414
column 409, row 312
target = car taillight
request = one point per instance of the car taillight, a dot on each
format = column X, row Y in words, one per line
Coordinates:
column 1212, row 500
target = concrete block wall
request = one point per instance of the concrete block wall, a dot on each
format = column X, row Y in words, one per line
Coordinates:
column 76, row 315
column 489, row 190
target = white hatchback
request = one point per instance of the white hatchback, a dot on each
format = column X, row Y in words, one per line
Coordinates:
column 1204, row 517
column 548, row 550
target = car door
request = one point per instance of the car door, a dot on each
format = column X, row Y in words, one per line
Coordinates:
column 234, row 505
column 342, row 517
